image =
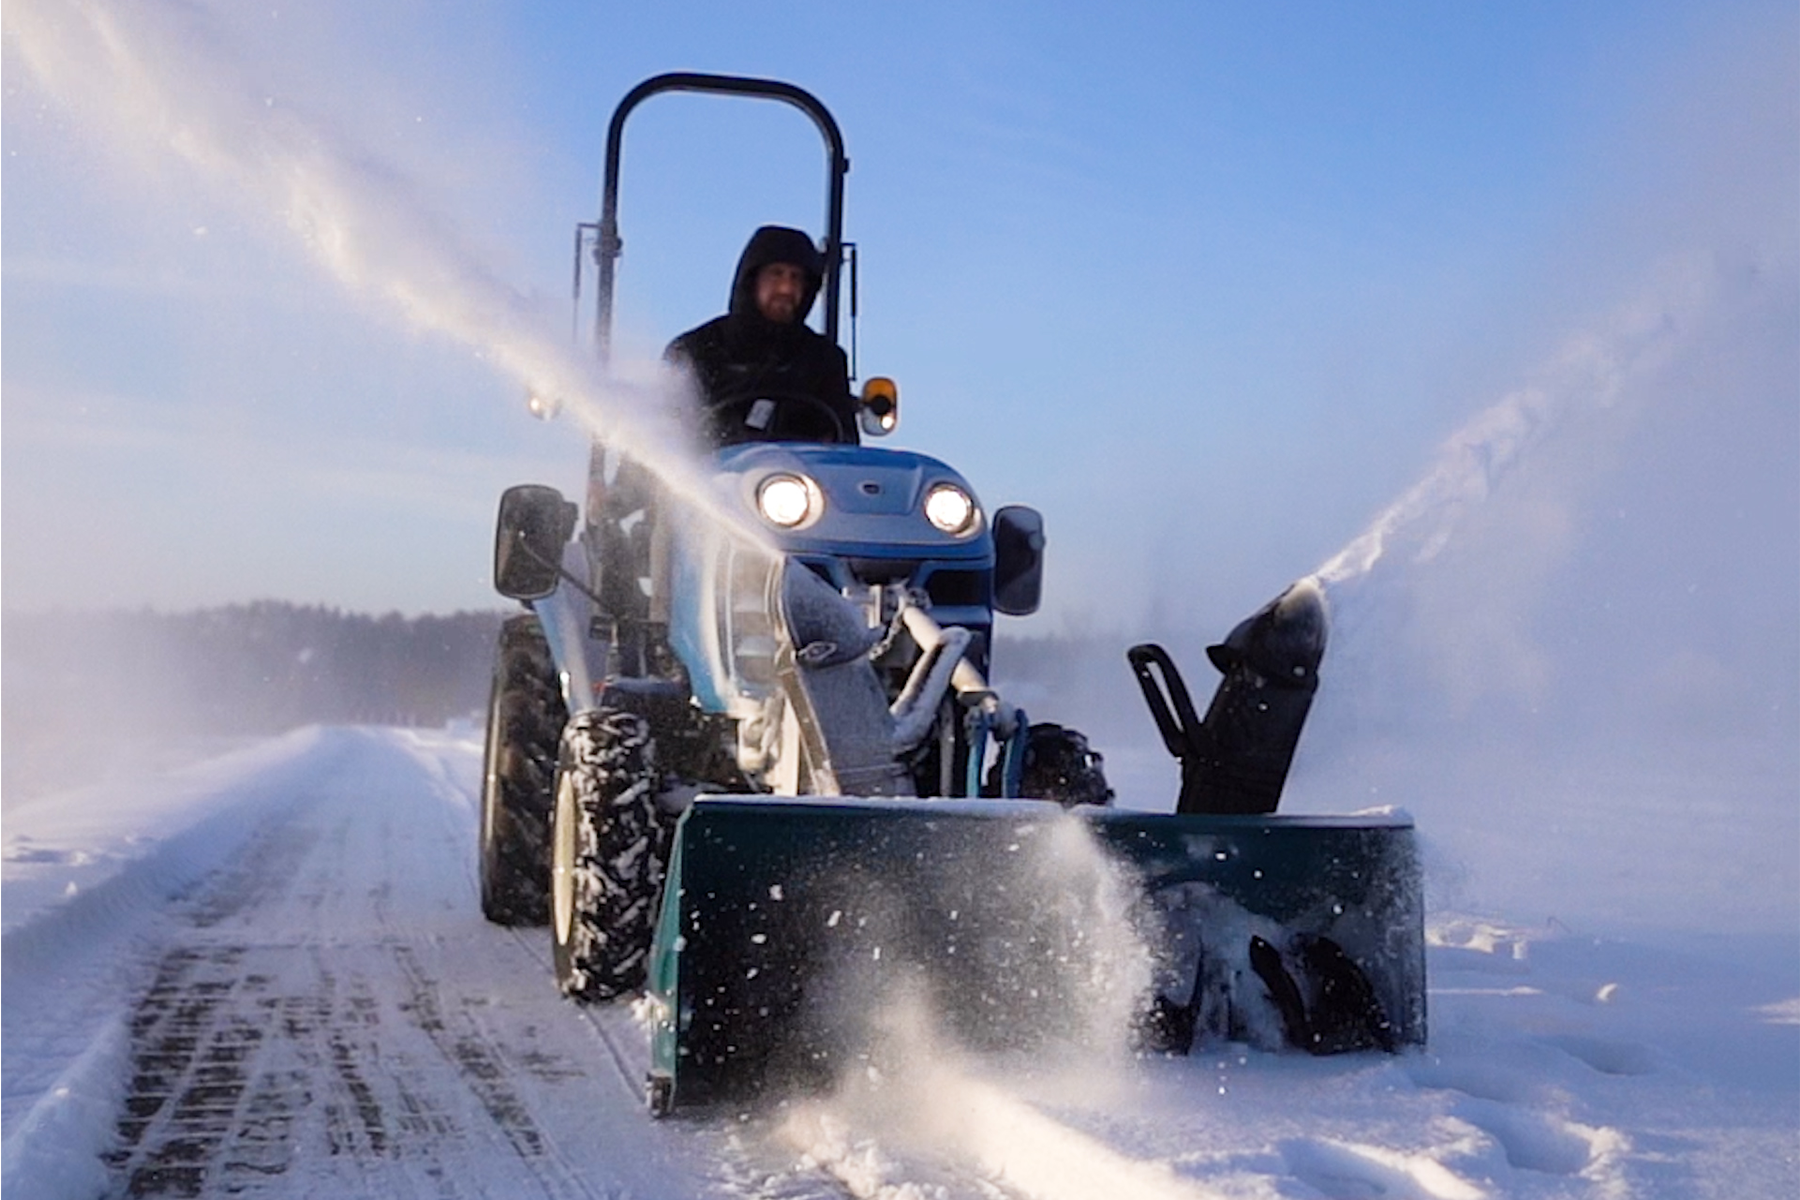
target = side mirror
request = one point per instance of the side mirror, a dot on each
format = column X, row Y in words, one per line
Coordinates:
column 535, row 524
column 1018, row 560
column 878, row 410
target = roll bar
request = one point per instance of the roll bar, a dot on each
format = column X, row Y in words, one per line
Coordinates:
column 608, row 244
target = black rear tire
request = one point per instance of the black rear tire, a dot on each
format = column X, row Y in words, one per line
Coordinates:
column 525, row 719
column 611, row 844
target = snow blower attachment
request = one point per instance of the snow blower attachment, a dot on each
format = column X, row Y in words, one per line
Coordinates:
column 787, row 925
column 766, row 778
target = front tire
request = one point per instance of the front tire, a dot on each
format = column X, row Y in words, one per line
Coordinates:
column 525, row 719
column 1062, row 767
column 610, row 843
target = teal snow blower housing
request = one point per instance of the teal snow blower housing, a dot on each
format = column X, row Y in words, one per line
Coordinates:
column 761, row 778
column 786, row 924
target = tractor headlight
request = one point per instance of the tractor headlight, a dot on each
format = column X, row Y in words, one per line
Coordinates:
column 950, row 509
column 789, row 501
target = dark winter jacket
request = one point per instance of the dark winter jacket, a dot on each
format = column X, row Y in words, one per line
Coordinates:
column 743, row 357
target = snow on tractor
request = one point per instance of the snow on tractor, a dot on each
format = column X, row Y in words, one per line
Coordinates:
column 765, row 780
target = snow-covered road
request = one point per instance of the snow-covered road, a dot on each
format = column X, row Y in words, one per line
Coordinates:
column 267, row 975
column 321, row 1014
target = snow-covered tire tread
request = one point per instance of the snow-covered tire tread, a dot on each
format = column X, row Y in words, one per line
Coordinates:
column 612, row 846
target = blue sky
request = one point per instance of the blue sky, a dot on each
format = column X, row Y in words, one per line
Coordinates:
column 1208, row 283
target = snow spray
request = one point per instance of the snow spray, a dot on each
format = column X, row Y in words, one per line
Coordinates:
column 1592, row 371
column 1565, row 643
column 943, row 1119
column 1036, row 1002
column 157, row 76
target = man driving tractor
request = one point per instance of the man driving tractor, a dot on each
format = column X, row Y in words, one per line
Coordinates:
column 763, row 374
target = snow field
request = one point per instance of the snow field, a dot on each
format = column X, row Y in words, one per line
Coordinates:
column 307, row 908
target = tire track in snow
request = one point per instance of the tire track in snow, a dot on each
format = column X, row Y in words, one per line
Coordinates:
column 485, row 1067
column 189, row 1046
column 302, row 1036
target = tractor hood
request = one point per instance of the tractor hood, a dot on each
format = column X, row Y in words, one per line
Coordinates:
column 855, row 501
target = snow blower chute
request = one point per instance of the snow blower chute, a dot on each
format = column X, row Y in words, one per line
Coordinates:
column 765, row 779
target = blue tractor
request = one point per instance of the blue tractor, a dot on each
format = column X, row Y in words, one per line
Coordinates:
column 733, row 715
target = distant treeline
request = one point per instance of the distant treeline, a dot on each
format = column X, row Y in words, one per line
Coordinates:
column 257, row 668
column 86, row 693
column 270, row 666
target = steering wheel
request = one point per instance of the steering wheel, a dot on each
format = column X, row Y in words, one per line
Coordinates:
column 775, row 416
